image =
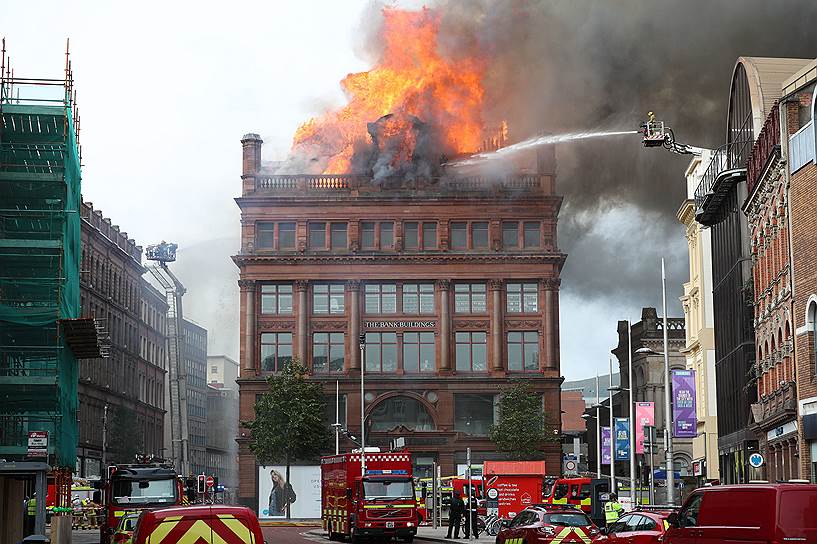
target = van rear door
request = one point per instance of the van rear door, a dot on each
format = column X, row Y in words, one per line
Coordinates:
column 797, row 517
column 736, row 516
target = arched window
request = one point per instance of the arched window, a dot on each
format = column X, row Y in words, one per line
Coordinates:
column 400, row 411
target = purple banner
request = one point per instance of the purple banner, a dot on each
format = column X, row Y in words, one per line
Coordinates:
column 606, row 441
column 685, row 423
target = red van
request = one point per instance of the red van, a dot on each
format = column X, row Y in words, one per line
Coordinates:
column 206, row 524
column 769, row 513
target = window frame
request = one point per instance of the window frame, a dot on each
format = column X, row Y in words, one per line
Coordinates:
column 510, row 290
column 379, row 294
column 524, row 344
column 277, row 297
column 470, row 294
column 332, row 231
column 471, row 344
column 420, row 295
column 419, row 347
column 277, row 343
column 331, row 341
column 329, row 297
column 310, row 231
column 420, row 230
column 518, row 239
column 525, row 223
column 370, row 343
column 377, row 235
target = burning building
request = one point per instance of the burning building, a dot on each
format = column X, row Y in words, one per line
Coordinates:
column 450, row 275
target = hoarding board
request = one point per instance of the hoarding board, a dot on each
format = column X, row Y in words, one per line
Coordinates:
column 302, row 492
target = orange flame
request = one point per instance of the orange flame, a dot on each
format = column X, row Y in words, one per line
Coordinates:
column 410, row 78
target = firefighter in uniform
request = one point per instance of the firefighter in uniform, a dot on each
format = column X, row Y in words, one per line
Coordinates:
column 612, row 510
column 31, row 515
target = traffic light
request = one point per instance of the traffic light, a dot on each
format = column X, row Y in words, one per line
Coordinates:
column 201, row 484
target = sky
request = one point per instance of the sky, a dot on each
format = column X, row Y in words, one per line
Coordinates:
column 166, row 90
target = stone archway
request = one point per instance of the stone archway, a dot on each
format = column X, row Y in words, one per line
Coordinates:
column 401, row 410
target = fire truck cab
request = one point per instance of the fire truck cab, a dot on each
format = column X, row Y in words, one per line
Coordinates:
column 379, row 503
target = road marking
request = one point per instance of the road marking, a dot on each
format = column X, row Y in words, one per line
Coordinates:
column 309, row 535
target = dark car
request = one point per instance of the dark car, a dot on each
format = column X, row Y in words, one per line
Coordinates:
column 637, row 527
column 536, row 525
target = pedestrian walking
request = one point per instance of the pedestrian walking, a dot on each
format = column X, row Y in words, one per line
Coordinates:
column 612, row 510
column 471, row 518
column 455, row 511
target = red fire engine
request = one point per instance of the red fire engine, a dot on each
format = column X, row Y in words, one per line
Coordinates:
column 381, row 503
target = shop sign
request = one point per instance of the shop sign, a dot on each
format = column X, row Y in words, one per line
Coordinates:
column 786, row 428
column 399, row 324
column 38, row 443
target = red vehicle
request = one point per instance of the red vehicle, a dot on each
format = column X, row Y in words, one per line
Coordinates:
column 133, row 488
column 205, row 524
column 535, row 525
column 637, row 527
column 749, row 513
column 518, row 483
column 380, row 503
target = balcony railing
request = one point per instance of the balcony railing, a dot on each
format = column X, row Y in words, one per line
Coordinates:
column 727, row 168
column 766, row 149
column 776, row 406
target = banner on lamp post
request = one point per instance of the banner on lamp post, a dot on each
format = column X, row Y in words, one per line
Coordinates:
column 606, row 441
column 685, row 421
column 622, row 438
column 644, row 417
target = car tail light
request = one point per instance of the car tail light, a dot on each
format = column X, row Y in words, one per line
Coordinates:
column 547, row 530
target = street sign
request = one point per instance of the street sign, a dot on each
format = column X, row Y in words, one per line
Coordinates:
column 493, row 493
column 756, row 460
column 38, row 443
column 210, row 481
column 571, row 467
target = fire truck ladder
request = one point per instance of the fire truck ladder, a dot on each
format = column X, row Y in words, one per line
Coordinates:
column 174, row 290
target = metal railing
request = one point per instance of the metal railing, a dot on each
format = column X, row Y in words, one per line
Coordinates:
column 766, row 147
column 727, row 158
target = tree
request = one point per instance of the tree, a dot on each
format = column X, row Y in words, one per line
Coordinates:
column 523, row 428
column 289, row 421
column 124, row 438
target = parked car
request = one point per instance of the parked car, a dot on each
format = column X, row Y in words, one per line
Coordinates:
column 209, row 524
column 123, row 534
column 640, row 526
column 536, row 525
column 746, row 513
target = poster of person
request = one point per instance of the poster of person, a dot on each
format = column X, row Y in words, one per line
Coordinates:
column 302, row 492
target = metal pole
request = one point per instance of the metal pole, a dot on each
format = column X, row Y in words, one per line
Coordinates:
column 598, row 428
column 41, row 491
column 434, row 519
column 337, row 417
column 612, row 433
column 105, row 440
column 632, row 424
column 652, row 465
column 470, row 488
column 667, row 396
column 362, row 407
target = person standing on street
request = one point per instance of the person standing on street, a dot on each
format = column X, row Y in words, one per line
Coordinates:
column 455, row 511
column 612, row 510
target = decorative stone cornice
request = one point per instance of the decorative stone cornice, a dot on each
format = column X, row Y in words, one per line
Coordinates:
column 495, row 284
column 247, row 285
column 523, row 324
column 552, row 258
column 266, row 325
column 444, row 285
column 480, row 324
column 301, row 285
column 353, row 285
column 551, row 283
column 329, row 325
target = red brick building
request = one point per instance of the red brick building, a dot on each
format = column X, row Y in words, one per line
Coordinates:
column 453, row 281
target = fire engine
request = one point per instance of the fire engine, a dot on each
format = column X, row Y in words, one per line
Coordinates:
column 380, row 502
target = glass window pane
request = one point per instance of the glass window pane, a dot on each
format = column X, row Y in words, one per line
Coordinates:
column 319, row 355
column 410, row 235
column 458, row 235
column 510, row 234
column 336, row 300
column 531, row 302
column 479, row 357
column 367, row 235
column 317, row 235
column 514, row 356
column 336, row 337
column 285, row 338
column 462, row 303
column 532, row 354
column 320, row 302
column 429, row 235
column 268, row 302
column 264, row 235
column 285, row 303
column 338, row 235
column 532, row 337
column 514, row 303
column 427, row 362
column 473, row 414
column 532, row 234
column 386, row 235
column 336, row 356
column 411, row 356
column 463, row 357
column 372, row 356
column 410, row 337
column 427, row 303
column 514, row 287
column 478, row 303
column 286, row 235
column 389, row 357
column 411, row 304
column 514, row 337
column 389, row 287
column 461, row 288
column 389, row 303
column 479, row 235
column 462, row 336
column 372, row 303
column 321, row 337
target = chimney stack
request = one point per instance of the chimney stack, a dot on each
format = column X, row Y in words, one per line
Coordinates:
column 251, row 158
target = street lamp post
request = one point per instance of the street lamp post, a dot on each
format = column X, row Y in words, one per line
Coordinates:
column 598, row 427
column 632, row 422
column 612, row 433
column 667, row 396
column 362, row 407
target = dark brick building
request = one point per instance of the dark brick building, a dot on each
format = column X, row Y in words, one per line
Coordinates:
column 454, row 282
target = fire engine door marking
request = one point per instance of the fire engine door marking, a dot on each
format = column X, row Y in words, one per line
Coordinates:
column 241, row 531
column 163, row 529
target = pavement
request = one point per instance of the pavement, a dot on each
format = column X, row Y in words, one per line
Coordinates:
column 424, row 534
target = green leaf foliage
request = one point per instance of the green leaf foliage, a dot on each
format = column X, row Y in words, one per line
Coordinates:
column 523, row 428
column 288, row 421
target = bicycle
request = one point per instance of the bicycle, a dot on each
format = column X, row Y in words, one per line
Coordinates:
column 492, row 524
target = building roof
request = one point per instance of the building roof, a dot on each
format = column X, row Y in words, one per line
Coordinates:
column 801, row 77
column 766, row 76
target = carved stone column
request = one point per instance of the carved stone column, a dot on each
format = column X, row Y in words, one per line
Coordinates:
column 550, row 321
column 496, row 324
column 353, row 286
column 444, row 286
column 301, row 287
column 248, row 290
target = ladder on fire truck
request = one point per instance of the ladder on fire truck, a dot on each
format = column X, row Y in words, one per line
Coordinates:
column 162, row 254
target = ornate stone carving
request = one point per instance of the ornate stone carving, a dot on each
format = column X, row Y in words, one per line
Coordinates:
column 444, row 285
column 329, row 325
column 248, row 285
column 523, row 324
column 353, row 285
column 551, row 283
column 495, row 285
column 276, row 326
column 471, row 324
column 301, row 285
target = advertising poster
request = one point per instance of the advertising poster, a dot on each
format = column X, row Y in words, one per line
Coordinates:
column 515, row 493
column 302, row 492
column 606, row 441
column 685, row 421
column 644, row 416
column 622, row 438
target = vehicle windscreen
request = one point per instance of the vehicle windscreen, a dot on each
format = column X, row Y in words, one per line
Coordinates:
column 144, row 491
column 388, row 489
column 567, row 519
column 798, row 509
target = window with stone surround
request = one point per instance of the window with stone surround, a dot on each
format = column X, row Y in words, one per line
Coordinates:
column 523, row 351
column 532, row 236
column 286, row 236
column 381, row 352
column 317, row 235
column 377, row 235
column 337, row 236
column 328, row 350
column 474, row 413
column 380, row 298
column 419, row 236
column 264, row 235
column 418, row 298
column 522, row 298
column 418, row 352
column 276, row 350
column 328, row 298
column 276, row 299
column 510, row 234
column 470, row 298
column 471, row 351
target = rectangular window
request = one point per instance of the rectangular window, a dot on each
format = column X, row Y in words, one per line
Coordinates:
column 429, row 235
column 276, row 299
column 264, row 235
column 459, row 235
column 418, row 298
column 522, row 298
column 470, row 298
column 418, row 352
column 523, row 351
column 327, row 352
column 367, row 235
column 380, row 298
column 472, row 351
column 328, row 298
column 510, row 234
column 335, row 410
column 479, row 235
column 387, row 235
column 317, row 235
column 276, row 350
column 338, row 236
column 532, row 235
column 381, row 352
column 473, row 414
column 410, row 236
column 286, row 236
